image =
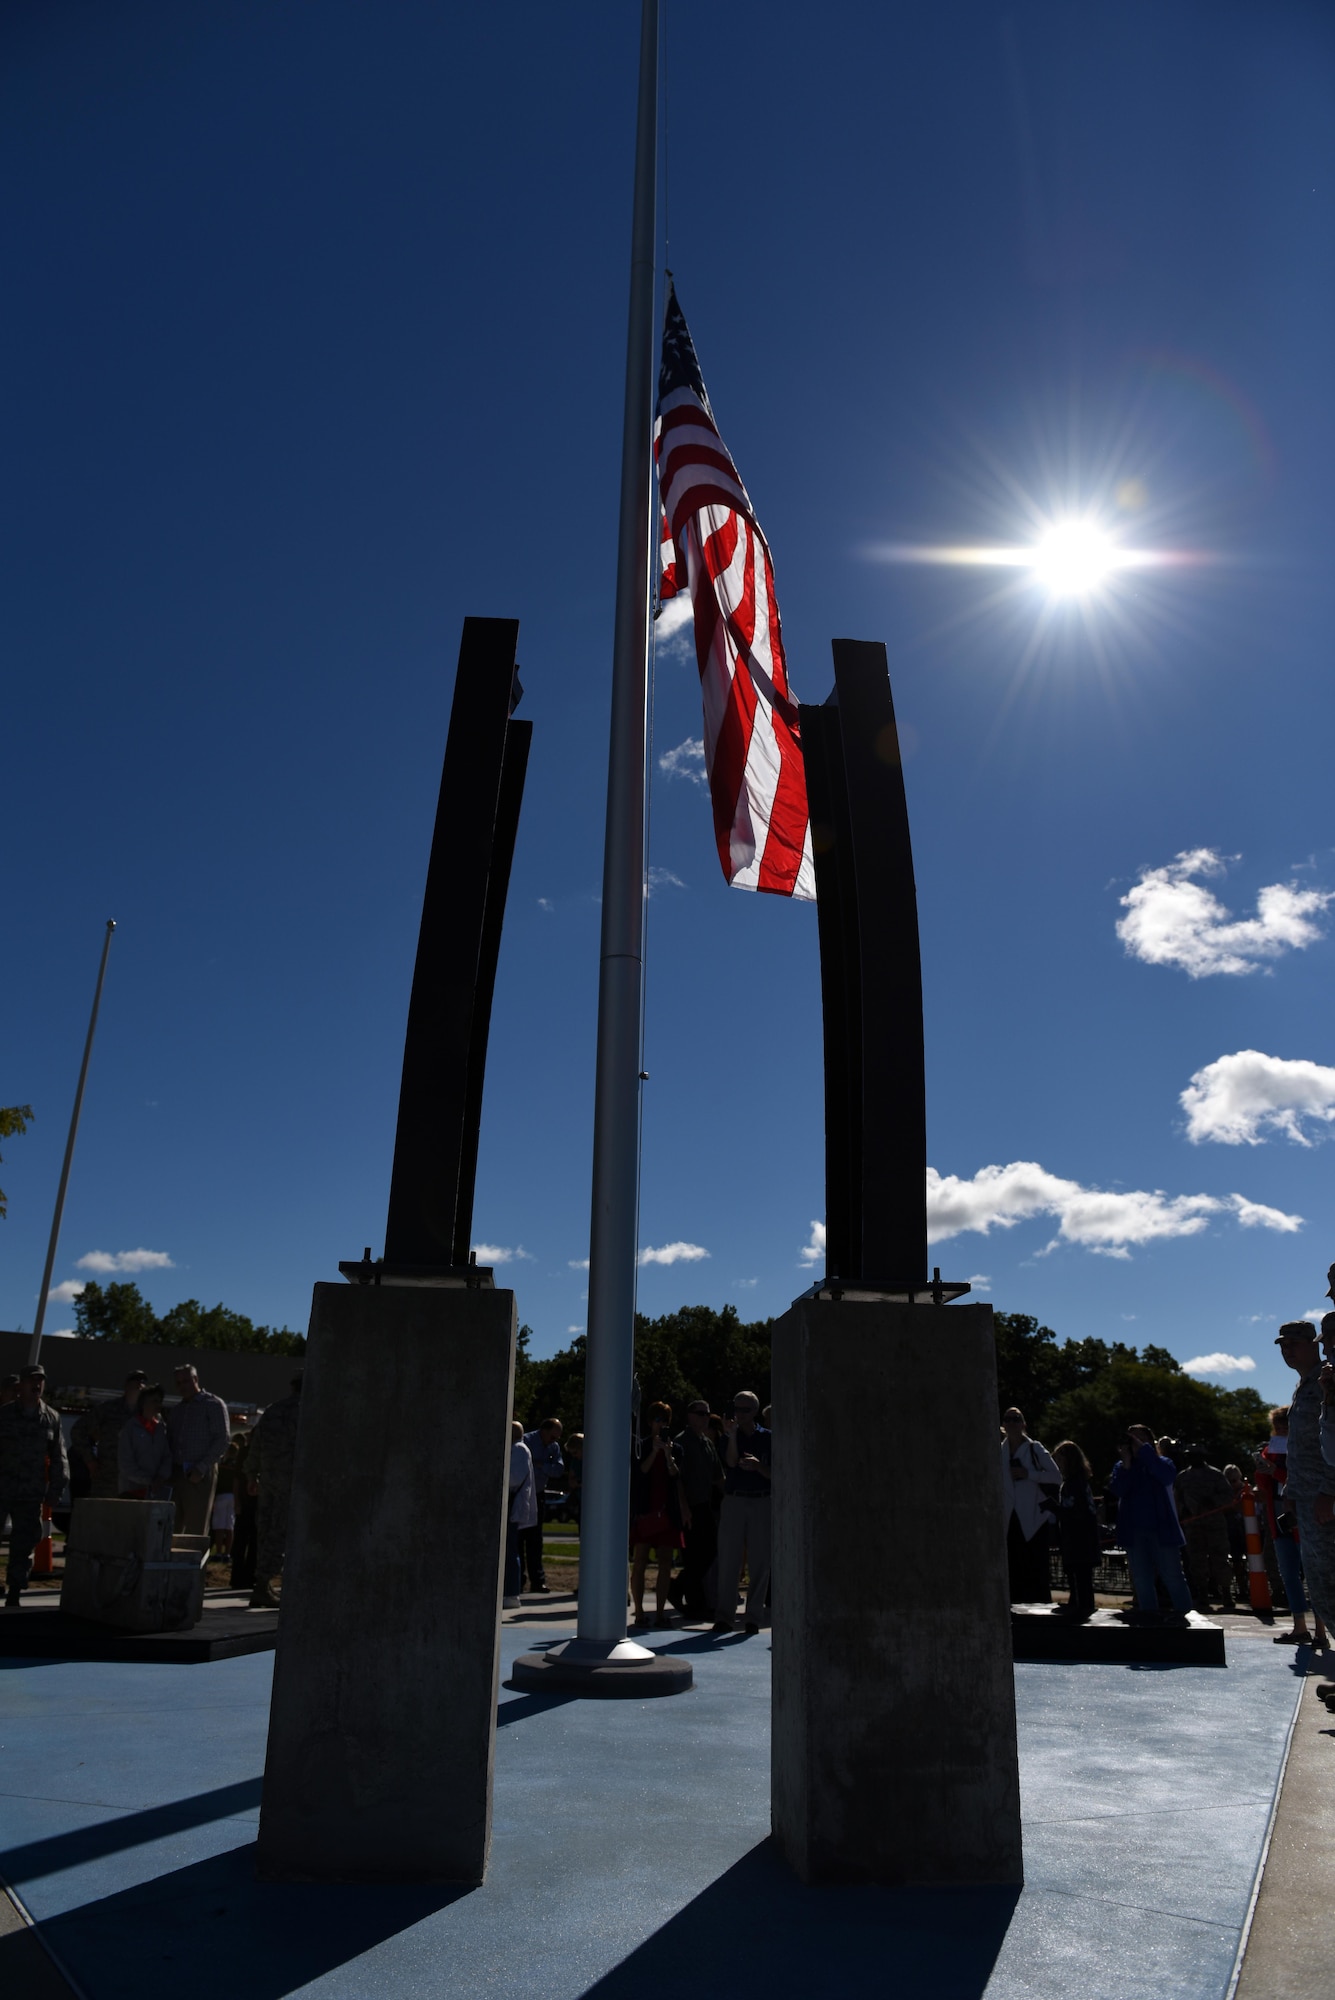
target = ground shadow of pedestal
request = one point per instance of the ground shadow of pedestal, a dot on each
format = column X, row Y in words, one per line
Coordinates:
column 796, row 1940
column 212, row 1931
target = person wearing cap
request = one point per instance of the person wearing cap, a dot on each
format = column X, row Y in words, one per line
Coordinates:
column 701, row 1491
column 9, row 1389
column 96, row 1436
column 1310, row 1486
column 199, row 1433
column 33, row 1470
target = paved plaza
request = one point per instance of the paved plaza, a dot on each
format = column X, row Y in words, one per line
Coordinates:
column 631, row 1845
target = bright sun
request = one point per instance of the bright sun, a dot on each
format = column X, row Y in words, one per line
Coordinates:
column 1073, row 559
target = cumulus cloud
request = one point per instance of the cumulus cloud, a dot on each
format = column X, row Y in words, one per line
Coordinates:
column 661, row 878
column 1097, row 1219
column 546, row 903
column 64, row 1294
column 1220, row 1364
column 813, row 1253
column 578, row 1263
column 674, row 617
column 500, row 1253
column 746, row 1284
column 1239, row 1099
column 107, row 1261
column 574, row 1329
column 1171, row 919
column 686, row 761
column 674, row 1253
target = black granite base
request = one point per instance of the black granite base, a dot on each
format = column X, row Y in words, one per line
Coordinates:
column 1039, row 1632
column 40, row 1630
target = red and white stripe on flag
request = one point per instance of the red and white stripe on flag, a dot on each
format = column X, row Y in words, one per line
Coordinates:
column 669, row 580
column 753, row 750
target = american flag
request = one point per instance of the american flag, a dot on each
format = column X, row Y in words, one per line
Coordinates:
column 712, row 540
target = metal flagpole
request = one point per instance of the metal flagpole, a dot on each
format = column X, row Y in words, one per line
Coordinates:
column 35, row 1345
column 616, row 1119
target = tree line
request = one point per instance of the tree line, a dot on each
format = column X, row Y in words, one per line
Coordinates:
column 1087, row 1389
column 121, row 1312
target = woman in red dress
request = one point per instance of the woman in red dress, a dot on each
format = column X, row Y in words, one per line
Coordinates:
column 657, row 1513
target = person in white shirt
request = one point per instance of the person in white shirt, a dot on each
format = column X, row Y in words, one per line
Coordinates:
column 1026, row 1470
column 522, row 1512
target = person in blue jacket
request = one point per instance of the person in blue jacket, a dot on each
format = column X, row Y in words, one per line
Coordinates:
column 1147, row 1523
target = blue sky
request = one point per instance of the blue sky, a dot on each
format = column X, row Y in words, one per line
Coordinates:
column 315, row 346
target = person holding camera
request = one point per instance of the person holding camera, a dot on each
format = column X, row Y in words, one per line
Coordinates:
column 659, row 1512
column 744, row 1523
column 1147, row 1523
column 1031, row 1483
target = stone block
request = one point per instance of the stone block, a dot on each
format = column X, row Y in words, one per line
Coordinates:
column 894, row 1745
column 124, row 1567
column 382, row 1726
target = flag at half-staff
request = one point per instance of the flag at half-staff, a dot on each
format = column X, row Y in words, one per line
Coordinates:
column 713, row 543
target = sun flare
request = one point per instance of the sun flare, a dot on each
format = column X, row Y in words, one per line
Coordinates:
column 1073, row 558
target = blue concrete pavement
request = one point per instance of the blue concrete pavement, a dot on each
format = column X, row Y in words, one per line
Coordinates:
column 630, row 1845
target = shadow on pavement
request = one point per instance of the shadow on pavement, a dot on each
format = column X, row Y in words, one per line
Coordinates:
column 121, row 1830
column 212, row 1931
column 942, row 1942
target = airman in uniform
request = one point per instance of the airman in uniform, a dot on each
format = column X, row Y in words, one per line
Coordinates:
column 33, row 1470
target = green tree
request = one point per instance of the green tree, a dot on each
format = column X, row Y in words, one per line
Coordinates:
column 121, row 1312
column 695, row 1351
column 114, row 1312
column 1226, row 1424
column 14, row 1122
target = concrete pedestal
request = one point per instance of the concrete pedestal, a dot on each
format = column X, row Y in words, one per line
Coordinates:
column 382, row 1728
column 894, row 1751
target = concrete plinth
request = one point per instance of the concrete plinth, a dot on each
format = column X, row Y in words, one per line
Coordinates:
column 894, row 1747
column 382, row 1727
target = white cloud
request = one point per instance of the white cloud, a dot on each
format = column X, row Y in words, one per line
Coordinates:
column 499, row 1253
column 546, row 903
column 65, row 1293
column 661, row 878
column 1236, row 1098
column 574, row 1329
column 981, row 1282
column 125, row 1260
column 686, row 761
column 1256, row 1215
column 578, row 1263
column 813, row 1253
column 673, row 619
column 1172, row 920
column 674, row 1253
column 1220, row 1364
column 1097, row 1219
column 59, row 1333
column 746, row 1284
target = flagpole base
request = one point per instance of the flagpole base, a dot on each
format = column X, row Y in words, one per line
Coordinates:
column 601, row 1671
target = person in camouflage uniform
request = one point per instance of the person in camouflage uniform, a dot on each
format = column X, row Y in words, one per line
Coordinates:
column 33, row 1469
column 1311, row 1482
column 269, row 1463
column 97, row 1434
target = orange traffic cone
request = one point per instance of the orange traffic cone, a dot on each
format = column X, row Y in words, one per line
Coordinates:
column 42, row 1556
column 1258, row 1583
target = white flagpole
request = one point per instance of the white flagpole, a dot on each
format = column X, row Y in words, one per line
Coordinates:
column 614, row 1228
column 35, row 1345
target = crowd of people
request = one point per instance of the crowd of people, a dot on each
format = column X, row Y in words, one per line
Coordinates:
column 1179, row 1519
column 700, row 1498
column 699, row 1512
column 226, row 1480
